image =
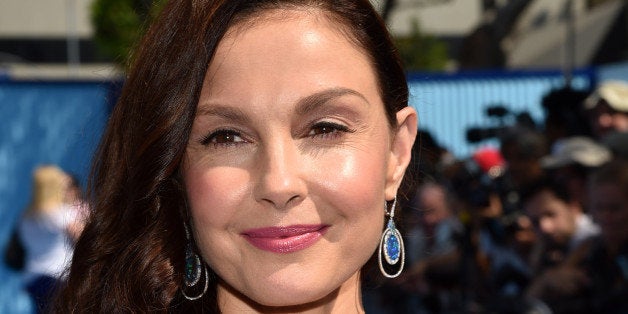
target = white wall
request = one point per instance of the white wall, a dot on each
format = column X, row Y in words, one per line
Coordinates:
column 43, row 18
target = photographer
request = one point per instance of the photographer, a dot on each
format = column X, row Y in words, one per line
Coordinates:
column 484, row 272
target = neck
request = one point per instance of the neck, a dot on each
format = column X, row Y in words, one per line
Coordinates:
column 346, row 299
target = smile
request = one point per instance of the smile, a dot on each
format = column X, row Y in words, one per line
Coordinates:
column 285, row 239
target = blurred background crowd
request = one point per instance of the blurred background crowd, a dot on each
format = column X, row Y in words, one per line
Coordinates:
column 536, row 224
column 517, row 198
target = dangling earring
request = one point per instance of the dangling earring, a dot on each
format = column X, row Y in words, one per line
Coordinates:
column 193, row 268
column 391, row 244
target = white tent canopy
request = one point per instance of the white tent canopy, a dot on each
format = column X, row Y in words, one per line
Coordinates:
column 544, row 46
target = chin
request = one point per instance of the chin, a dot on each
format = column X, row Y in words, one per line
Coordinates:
column 297, row 293
column 292, row 294
column 299, row 299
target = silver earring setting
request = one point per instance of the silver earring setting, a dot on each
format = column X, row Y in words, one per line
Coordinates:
column 391, row 245
column 193, row 269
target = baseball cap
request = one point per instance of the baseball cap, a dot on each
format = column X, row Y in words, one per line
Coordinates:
column 578, row 150
column 615, row 93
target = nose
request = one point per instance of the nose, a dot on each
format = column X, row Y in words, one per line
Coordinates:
column 280, row 183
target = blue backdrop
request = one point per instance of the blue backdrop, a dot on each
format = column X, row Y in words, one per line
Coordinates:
column 43, row 123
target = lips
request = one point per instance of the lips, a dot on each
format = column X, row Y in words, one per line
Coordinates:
column 285, row 239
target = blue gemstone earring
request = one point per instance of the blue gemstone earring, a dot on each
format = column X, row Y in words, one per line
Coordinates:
column 391, row 244
column 193, row 268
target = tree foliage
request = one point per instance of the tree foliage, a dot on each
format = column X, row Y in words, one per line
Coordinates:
column 119, row 24
column 421, row 52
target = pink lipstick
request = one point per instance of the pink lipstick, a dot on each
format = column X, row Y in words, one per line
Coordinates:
column 285, row 239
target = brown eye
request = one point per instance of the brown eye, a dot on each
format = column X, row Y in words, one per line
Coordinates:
column 222, row 137
column 327, row 128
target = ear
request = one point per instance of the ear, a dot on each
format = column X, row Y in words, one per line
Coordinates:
column 400, row 150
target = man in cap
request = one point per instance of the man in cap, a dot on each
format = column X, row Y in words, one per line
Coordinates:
column 556, row 204
column 607, row 108
column 571, row 161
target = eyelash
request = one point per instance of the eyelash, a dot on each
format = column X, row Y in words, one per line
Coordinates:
column 228, row 137
column 326, row 130
column 329, row 130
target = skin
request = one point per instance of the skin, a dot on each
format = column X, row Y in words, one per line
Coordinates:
column 604, row 120
column 433, row 202
column 609, row 207
column 291, row 130
column 554, row 219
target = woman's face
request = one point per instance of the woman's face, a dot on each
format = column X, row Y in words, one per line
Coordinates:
column 290, row 160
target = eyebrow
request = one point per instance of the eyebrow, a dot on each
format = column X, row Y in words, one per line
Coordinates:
column 316, row 100
column 225, row 112
column 304, row 106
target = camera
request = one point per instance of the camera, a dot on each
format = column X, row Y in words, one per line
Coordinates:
column 500, row 114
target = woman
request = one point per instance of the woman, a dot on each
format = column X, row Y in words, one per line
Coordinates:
column 45, row 233
column 249, row 163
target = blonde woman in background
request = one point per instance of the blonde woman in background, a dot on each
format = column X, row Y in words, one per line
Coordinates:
column 47, row 232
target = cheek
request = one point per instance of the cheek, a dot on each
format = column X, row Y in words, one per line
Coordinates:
column 356, row 196
column 352, row 185
column 354, row 178
column 213, row 194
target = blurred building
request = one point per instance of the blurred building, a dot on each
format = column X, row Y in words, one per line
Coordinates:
column 518, row 34
column 540, row 36
column 55, row 36
column 38, row 31
column 442, row 18
column 51, row 38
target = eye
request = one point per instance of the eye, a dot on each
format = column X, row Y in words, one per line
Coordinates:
column 326, row 129
column 223, row 138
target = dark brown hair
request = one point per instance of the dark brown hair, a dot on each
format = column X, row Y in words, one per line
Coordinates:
column 131, row 255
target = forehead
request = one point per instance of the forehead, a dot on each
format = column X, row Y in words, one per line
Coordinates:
column 266, row 65
column 285, row 16
column 303, row 25
column 301, row 43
